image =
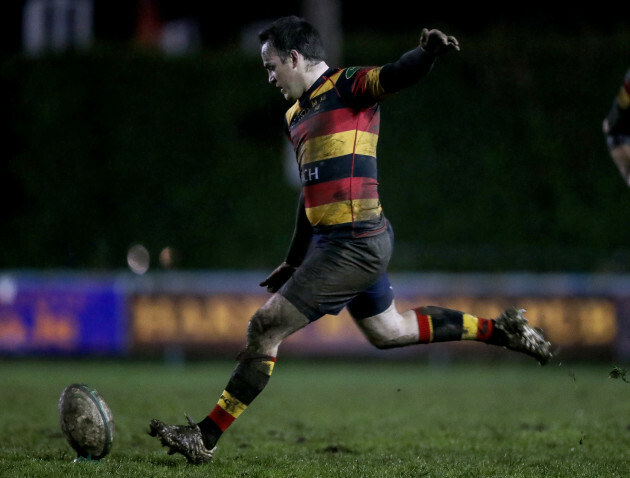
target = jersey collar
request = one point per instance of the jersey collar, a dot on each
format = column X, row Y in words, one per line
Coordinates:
column 307, row 94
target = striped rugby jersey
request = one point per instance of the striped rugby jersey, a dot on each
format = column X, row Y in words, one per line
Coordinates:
column 334, row 130
column 619, row 114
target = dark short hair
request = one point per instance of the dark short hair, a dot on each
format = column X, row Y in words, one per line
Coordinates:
column 294, row 33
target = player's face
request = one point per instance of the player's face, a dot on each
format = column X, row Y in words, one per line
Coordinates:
column 281, row 74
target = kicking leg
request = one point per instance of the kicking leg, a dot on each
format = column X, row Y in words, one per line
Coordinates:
column 429, row 324
column 269, row 326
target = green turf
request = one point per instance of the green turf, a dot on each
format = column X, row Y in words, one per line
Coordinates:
column 372, row 418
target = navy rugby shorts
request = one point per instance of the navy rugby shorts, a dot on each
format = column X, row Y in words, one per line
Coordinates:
column 343, row 272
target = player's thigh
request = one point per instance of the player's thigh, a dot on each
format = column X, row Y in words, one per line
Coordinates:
column 375, row 299
column 390, row 328
column 275, row 320
column 335, row 273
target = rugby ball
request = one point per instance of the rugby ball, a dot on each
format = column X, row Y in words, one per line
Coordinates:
column 86, row 421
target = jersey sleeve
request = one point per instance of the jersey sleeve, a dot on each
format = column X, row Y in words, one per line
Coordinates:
column 410, row 68
column 365, row 84
column 359, row 85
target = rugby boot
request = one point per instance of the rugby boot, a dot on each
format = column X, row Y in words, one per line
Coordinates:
column 183, row 439
column 522, row 337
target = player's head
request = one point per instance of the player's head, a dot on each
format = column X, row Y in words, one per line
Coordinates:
column 291, row 49
column 294, row 33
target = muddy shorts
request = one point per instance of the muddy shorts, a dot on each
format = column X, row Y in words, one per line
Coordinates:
column 343, row 272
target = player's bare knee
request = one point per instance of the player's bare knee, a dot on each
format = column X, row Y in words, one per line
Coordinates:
column 260, row 333
column 272, row 323
column 379, row 341
column 390, row 329
column 383, row 336
column 257, row 326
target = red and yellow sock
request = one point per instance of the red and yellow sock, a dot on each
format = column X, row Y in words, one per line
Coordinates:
column 437, row 324
column 247, row 381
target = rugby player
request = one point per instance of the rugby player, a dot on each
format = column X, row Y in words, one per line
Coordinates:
column 342, row 241
column 616, row 129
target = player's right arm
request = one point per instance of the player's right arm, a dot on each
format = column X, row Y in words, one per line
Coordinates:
column 300, row 243
column 302, row 235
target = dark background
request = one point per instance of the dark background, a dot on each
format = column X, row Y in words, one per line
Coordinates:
column 115, row 20
column 495, row 162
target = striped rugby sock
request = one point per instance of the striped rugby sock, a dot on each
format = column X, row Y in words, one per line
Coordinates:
column 437, row 324
column 248, row 379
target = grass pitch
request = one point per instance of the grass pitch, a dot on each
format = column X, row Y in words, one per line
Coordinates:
column 372, row 418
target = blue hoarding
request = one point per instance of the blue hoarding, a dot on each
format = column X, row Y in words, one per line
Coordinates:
column 61, row 315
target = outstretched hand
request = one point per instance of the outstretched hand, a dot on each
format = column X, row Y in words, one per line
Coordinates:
column 437, row 43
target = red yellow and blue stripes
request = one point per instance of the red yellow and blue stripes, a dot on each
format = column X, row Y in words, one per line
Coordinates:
column 334, row 131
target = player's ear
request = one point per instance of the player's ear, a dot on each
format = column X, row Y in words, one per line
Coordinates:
column 295, row 58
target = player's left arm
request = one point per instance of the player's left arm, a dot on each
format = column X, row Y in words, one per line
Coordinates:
column 414, row 65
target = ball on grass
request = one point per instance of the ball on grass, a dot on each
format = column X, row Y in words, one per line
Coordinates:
column 86, row 421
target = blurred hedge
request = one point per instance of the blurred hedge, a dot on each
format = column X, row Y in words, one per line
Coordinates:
column 495, row 162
